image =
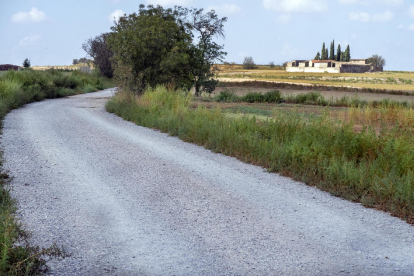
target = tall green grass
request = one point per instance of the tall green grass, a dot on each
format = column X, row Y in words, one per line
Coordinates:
column 17, row 257
column 375, row 169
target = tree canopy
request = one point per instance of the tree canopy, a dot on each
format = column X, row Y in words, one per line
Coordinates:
column 26, row 63
column 377, row 61
column 158, row 46
column 97, row 48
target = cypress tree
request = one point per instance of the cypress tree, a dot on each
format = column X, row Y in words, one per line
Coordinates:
column 348, row 54
column 326, row 54
column 323, row 51
column 342, row 56
column 318, row 56
column 338, row 53
column 332, row 55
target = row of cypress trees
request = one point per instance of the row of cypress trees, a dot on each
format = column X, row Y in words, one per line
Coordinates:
column 330, row 55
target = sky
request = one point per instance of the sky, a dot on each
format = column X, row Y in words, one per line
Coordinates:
column 51, row 32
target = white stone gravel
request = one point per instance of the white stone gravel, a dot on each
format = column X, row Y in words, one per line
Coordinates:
column 126, row 200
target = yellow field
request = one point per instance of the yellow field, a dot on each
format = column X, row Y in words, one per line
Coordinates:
column 63, row 67
column 382, row 80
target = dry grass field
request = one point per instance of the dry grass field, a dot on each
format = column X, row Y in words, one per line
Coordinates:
column 396, row 81
column 63, row 67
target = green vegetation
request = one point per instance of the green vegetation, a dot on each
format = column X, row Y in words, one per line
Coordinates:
column 157, row 46
column 26, row 63
column 17, row 257
column 269, row 97
column 340, row 56
column 311, row 98
column 372, row 166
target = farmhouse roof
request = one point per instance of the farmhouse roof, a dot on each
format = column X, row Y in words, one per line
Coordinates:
column 321, row 61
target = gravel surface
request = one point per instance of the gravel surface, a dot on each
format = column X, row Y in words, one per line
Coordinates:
column 126, row 200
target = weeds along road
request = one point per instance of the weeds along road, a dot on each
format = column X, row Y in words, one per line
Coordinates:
column 126, row 200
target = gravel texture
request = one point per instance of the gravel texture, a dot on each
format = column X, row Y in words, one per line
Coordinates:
column 126, row 200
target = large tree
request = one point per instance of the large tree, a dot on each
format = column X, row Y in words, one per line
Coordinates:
column 318, row 56
column 167, row 46
column 151, row 47
column 98, row 49
column 377, row 61
column 205, row 51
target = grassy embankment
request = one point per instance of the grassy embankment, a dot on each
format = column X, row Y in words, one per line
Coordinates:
column 374, row 165
column 397, row 81
column 17, row 257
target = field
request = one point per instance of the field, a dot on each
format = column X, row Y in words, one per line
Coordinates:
column 395, row 81
column 62, row 67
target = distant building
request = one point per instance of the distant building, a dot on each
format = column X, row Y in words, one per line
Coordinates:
column 6, row 67
column 332, row 66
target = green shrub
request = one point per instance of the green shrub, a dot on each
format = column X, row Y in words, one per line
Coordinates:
column 226, row 96
column 273, row 97
column 253, row 98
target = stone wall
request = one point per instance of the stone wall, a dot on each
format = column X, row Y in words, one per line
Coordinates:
column 313, row 69
column 355, row 68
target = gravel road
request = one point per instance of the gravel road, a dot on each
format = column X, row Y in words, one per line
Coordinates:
column 126, row 200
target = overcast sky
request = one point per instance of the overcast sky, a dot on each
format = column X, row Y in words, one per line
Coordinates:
column 51, row 32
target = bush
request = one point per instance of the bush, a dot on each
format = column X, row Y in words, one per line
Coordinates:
column 248, row 63
column 273, row 97
column 253, row 98
column 226, row 96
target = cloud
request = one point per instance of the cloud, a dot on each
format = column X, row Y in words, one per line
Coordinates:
column 366, row 17
column 368, row 2
column 225, row 9
column 116, row 15
column 411, row 11
column 411, row 27
column 34, row 15
column 32, row 40
column 383, row 17
column 354, row 2
column 391, row 2
column 170, row 2
column 359, row 16
column 401, row 27
column 284, row 18
column 289, row 6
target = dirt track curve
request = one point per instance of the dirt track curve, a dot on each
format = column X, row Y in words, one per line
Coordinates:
column 126, row 200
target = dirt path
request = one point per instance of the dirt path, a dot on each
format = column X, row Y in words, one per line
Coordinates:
column 127, row 200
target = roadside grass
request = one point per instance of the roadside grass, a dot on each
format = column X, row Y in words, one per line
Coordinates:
column 17, row 256
column 373, row 167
